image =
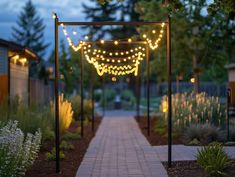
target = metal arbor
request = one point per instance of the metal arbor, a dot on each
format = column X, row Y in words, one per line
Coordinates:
column 56, row 86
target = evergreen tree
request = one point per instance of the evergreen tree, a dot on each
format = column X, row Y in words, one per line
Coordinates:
column 29, row 30
column 101, row 12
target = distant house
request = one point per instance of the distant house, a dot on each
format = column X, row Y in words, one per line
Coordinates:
column 14, row 70
column 231, row 79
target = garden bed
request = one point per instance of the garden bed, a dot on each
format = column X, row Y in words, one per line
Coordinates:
column 192, row 169
column 154, row 138
column 73, row 158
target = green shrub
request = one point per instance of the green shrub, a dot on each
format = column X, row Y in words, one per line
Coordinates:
column 52, row 155
column 64, row 145
column 109, row 96
column 17, row 151
column 194, row 142
column 232, row 135
column 48, row 135
column 76, row 105
column 214, row 160
column 71, row 136
column 127, row 95
column 160, row 127
column 97, row 95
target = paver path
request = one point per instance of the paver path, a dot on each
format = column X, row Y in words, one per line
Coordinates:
column 120, row 149
column 181, row 152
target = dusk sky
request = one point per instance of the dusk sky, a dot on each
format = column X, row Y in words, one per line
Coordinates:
column 69, row 10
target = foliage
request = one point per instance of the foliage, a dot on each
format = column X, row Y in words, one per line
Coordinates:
column 202, row 133
column 109, row 95
column 195, row 108
column 17, row 151
column 64, row 145
column 160, row 127
column 196, row 37
column 52, row 155
column 71, row 136
column 100, row 12
column 29, row 29
column 194, row 142
column 48, row 135
column 232, row 135
column 76, row 105
column 127, row 95
column 30, row 118
column 214, row 160
column 65, row 113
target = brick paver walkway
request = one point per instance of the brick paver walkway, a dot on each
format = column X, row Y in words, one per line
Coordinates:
column 120, row 149
column 181, row 152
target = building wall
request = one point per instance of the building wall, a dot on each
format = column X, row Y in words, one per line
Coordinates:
column 231, row 75
column 19, row 82
column 3, row 73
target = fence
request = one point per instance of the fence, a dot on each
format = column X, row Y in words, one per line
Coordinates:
column 41, row 92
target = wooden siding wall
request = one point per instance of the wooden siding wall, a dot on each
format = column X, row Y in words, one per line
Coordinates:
column 3, row 61
column 19, row 82
column 41, row 93
column 232, row 87
column 3, row 87
column 3, row 73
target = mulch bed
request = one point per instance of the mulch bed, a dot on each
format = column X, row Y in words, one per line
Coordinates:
column 73, row 158
column 154, row 138
column 192, row 169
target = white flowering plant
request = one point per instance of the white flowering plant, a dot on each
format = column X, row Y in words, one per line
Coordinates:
column 191, row 108
column 17, row 151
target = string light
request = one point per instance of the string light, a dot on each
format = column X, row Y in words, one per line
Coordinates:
column 118, row 66
column 154, row 45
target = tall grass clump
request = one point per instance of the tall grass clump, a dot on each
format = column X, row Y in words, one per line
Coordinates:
column 17, row 151
column 195, row 108
column 65, row 113
column 29, row 118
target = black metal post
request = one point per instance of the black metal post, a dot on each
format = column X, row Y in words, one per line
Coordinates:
column 8, row 87
column 103, row 92
column 28, row 83
column 169, row 116
column 138, row 97
column 148, row 88
column 56, row 87
column 92, row 98
column 228, row 105
column 82, row 96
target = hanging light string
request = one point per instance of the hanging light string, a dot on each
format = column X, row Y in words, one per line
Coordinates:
column 115, row 63
column 108, row 56
column 70, row 42
column 152, row 44
column 116, row 70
